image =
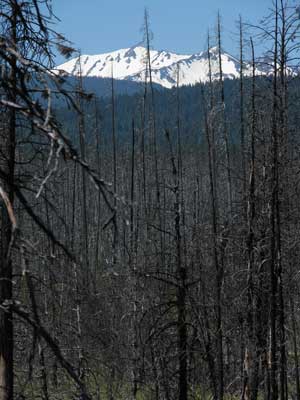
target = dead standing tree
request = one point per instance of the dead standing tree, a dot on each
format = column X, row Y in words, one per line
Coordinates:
column 7, row 151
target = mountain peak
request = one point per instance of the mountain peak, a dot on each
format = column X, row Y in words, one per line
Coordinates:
column 131, row 64
column 214, row 50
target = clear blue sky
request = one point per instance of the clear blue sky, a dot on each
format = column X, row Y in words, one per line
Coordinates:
column 97, row 26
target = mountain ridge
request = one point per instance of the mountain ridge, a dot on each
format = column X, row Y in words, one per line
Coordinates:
column 166, row 67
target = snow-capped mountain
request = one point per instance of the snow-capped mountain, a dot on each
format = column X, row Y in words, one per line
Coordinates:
column 131, row 64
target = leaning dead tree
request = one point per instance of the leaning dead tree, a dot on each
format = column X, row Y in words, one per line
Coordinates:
column 27, row 88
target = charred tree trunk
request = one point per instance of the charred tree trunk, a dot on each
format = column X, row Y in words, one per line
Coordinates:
column 274, row 249
column 7, row 151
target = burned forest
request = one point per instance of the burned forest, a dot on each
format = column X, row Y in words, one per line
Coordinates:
column 149, row 242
